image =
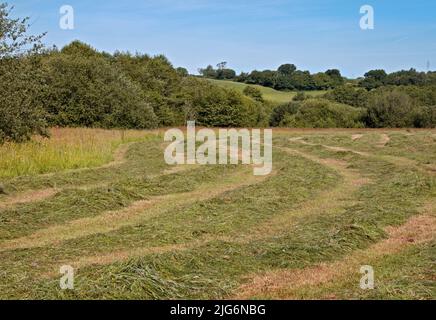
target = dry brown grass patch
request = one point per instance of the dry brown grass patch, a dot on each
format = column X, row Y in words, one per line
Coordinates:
column 284, row 284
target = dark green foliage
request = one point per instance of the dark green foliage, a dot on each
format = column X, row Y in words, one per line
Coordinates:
column 300, row 96
column 254, row 93
column 317, row 113
column 378, row 78
column 336, row 77
column 422, row 95
column 287, row 77
column 347, row 94
column 221, row 73
column 21, row 112
column 373, row 79
column 208, row 72
column 160, row 83
column 279, row 112
column 182, row 72
column 21, row 115
column 425, row 117
column 85, row 90
column 219, row 107
column 391, row 106
column 390, row 109
column 287, row 69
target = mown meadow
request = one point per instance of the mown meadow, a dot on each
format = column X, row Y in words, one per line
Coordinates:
column 133, row 227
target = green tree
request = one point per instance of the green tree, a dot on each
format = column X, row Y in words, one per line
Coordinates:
column 208, row 72
column 374, row 79
column 287, row 69
column 336, row 78
column 21, row 110
column 182, row 71
column 89, row 91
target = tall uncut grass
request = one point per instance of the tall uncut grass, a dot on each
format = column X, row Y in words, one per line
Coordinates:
column 67, row 148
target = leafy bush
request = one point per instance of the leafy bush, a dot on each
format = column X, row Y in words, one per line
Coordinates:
column 279, row 112
column 300, row 96
column 321, row 113
column 391, row 109
column 85, row 90
column 347, row 94
column 254, row 93
column 219, row 107
column 160, row 83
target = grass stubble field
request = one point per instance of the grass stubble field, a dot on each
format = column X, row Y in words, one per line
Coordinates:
column 135, row 228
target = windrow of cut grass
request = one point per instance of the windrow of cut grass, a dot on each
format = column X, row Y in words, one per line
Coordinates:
column 301, row 283
column 181, row 222
column 416, row 146
column 404, row 275
column 320, row 206
column 217, row 268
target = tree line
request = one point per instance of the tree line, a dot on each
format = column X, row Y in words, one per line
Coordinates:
column 286, row 77
column 79, row 86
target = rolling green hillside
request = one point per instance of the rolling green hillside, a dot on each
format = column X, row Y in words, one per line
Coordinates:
column 268, row 93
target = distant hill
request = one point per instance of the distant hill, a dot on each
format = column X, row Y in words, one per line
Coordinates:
column 268, row 93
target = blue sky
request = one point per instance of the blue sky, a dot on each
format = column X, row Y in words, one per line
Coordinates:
column 250, row 34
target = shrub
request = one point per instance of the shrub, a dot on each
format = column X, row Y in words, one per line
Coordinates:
column 347, row 94
column 88, row 91
column 214, row 106
column 254, row 93
column 300, row 96
column 279, row 112
column 390, row 109
column 321, row 113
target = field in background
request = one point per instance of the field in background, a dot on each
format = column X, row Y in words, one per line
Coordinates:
column 269, row 94
column 133, row 227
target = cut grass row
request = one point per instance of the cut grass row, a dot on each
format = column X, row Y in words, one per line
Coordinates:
column 418, row 146
column 223, row 214
column 207, row 248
